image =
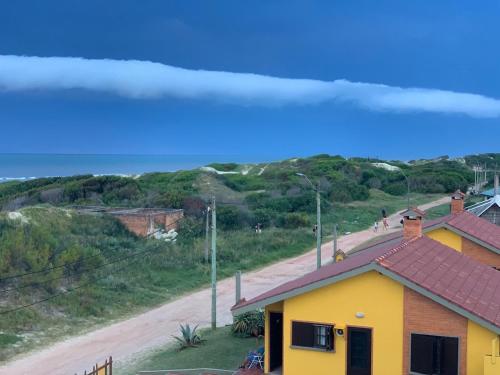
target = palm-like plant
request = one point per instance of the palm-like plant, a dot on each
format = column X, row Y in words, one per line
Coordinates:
column 249, row 324
column 189, row 337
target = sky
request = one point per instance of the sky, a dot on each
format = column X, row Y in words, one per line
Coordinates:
column 388, row 79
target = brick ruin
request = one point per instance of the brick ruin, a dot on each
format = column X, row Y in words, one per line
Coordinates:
column 145, row 221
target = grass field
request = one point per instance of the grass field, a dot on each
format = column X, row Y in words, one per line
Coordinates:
column 221, row 350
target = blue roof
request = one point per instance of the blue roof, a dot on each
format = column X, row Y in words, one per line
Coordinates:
column 488, row 193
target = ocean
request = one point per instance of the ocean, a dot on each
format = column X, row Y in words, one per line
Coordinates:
column 29, row 166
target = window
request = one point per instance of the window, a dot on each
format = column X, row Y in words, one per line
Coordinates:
column 311, row 335
column 434, row 355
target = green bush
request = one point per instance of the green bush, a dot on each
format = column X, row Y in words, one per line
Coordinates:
column 240, row 182
column 231, row 217
column 293, row 220
column 248, row 324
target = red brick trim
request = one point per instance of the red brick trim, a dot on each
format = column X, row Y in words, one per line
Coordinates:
column 422, row 315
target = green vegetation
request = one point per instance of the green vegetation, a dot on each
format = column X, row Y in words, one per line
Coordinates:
column 47, row 237
column 47, row 233
column 438, row 211
column 222, row 350
column 248, row 324
column 189, row 337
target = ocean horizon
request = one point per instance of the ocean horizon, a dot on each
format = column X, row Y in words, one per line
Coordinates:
column 30, row 166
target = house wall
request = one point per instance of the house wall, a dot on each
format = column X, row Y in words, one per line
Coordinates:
column 480, row 253
column 275, row 307
column 446, row 237
column 422, row 315
column 479, row 342
column 391, row 310
column 378, row 297
column 492, row 214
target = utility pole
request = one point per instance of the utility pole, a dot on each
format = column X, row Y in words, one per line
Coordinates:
column 318, row 219
column 318, row 230
column 207, row 231
column 214, row 265
column 334, row 241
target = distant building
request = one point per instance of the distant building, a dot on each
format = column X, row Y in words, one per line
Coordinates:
column 490, row 208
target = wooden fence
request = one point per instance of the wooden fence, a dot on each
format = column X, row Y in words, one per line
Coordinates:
column 105, row 369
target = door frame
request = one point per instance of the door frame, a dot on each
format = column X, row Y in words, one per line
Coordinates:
column 271, row 368
column 348, row 348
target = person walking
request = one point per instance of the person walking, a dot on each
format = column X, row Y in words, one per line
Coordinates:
column 375, row 227
column 386, row 223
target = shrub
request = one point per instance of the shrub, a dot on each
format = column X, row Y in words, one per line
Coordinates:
column 293, row 220
column 263, row 216
column 230, row 217
column 248, row 324
column 240, row 182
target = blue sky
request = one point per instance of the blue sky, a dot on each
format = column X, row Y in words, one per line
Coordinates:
column 445, row 45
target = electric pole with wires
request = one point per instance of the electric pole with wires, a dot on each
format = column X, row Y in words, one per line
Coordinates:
column 207, row 231
column 214, row 265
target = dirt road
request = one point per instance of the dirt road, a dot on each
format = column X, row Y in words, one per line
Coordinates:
column 154, row 328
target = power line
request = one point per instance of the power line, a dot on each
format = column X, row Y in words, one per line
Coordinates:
column 59, row 294
column 45, row 270
column 77, row 273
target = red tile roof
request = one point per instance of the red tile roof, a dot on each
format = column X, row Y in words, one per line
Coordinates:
column 440, row 270
column 413, row 211
column 465, row 222
column 448, row 274
column 476, row 227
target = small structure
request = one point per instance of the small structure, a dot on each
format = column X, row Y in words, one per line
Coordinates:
column 490, row 208
column 339, row 256
column 145, row 222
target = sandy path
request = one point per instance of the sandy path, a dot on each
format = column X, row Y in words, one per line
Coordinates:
column 154, row 328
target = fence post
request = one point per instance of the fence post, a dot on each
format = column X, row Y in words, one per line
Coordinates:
column 238, row 286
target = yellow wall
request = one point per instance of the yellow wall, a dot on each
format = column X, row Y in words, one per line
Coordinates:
column 378, row 297
column 276, row 307
column 446, row 237
column 478, row 345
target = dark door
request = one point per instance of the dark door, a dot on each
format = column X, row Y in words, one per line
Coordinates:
column 275, row 340
column 359, row 351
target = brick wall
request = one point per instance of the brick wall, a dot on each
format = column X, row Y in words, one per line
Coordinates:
column 422, row 315
column 140, row 224
column 479, row 253
column 135, row 223
column 457, row 205
column 412, row 228
column 171, row 220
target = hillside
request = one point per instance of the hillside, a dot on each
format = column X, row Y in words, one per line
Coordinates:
column 342, row 180
column 113, row 273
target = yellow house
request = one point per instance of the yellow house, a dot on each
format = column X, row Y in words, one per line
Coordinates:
column 405, row 306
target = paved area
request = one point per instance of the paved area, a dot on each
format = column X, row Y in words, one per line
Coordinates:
column 149, row 330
